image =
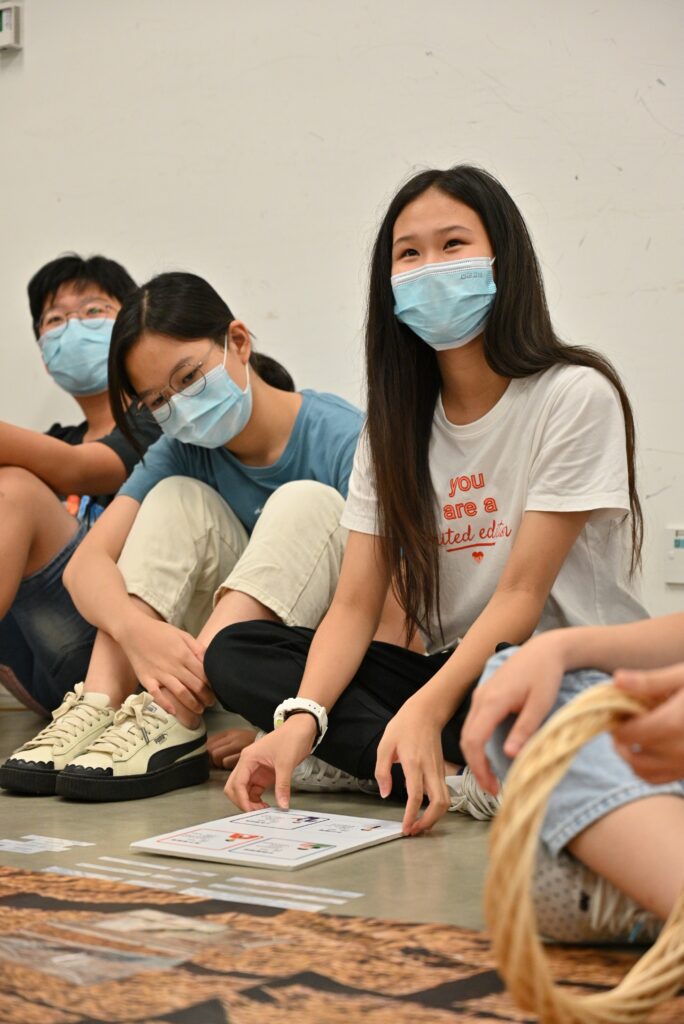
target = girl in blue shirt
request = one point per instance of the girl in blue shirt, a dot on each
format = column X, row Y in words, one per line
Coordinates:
column 237, row 506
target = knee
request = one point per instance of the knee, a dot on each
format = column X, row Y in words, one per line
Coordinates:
column 499, row 761
column 28, row 499
column 494, row 747
column 171, row 495
column 495, row 662
column 306, row 501
column 178, row 499
column 226, row 663
column 237, row 654
column 17, row 484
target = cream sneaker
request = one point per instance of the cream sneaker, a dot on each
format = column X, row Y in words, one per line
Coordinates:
column 315, row 776
column 80, row 719
column 468, row 797
column 143, row 753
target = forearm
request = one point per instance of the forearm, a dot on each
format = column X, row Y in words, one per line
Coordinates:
column 646, row 644
column 99, row 592
column 336, row 652
column 46, row 457
column 66, row 468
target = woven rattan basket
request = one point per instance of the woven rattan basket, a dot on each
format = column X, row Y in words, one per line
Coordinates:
column 508, row 896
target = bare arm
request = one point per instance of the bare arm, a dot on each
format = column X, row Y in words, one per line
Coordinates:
column 514, row 610
column 92, row 576
column 413, row 737
column 91, row 468
column 166, row 660
column 649, row 643
column 345, row 633
column 336, row 652
column 528, row 683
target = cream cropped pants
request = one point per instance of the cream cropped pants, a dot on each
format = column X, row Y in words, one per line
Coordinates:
column 187, row 547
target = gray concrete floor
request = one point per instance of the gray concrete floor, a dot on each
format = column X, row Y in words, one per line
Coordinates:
column 436, row 878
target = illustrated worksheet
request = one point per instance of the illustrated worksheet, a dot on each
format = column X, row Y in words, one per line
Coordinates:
column 272, row 838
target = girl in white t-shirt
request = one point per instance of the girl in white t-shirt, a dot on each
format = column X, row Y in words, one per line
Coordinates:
column 494, row 485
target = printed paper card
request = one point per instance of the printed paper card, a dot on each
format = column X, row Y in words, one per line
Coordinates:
column 273, row 838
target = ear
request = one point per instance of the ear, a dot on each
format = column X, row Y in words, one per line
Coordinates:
column 239, row 340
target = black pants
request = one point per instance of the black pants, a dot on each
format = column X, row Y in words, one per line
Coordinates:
column 253, row 666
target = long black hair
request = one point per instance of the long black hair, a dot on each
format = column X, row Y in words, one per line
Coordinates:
column 184, row 307
column 403, row 378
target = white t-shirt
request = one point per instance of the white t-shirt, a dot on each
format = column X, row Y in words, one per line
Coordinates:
column 554, row 442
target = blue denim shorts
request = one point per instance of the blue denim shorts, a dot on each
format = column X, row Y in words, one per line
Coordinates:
column 43, row 638
column 598, row 780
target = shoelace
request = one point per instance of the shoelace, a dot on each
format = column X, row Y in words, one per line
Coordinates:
column 128, row 726
column 312, row 769
column 57, row 730
column 472, row 797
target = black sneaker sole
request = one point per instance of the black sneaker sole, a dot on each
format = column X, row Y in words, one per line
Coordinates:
column 28, row 782
column 103, row 789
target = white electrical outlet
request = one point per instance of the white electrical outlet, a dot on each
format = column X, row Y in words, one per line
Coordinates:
column 674, row 554
column 10, row 27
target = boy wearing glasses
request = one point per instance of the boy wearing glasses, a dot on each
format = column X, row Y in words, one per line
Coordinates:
column 53, row 486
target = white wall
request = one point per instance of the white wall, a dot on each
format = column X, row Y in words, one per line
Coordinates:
column 257, row 144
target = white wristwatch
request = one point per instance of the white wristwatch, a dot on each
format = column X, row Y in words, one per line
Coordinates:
column 312, row 707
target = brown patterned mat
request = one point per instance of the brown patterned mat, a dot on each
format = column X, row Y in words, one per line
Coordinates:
column 68, row 955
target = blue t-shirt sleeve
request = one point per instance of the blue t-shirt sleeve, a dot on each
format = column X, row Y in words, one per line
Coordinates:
column 344, row 463
column 331, row 428
column 164, row 458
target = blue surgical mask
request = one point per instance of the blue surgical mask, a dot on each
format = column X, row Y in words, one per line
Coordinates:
column 446, row 304
column 212, row 418
column 77, row 358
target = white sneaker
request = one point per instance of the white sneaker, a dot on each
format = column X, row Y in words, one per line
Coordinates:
column 468, row 797
column 316, row 776
column 77, row 722
column 572, row 904
column 143, row 753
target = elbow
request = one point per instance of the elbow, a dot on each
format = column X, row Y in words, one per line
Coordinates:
column 68, row 473
column 527, row 603
column 81, row 474
column 69, row 480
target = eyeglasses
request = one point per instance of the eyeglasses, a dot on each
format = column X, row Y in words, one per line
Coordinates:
column 95, row 311
column 186, row 381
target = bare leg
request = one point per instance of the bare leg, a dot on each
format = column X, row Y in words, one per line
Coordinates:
column 233, row 607
column 638, row 848
column 35, row 528
column 111, row 672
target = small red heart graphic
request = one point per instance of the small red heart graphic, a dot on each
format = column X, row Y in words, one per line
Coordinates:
column 478, row 555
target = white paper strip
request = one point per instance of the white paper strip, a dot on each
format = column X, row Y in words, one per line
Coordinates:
column 239, row 897
column 159, row 867
column 291, row 885
column 263, row 893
